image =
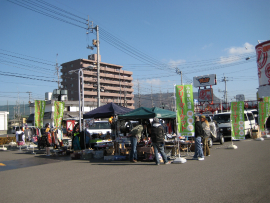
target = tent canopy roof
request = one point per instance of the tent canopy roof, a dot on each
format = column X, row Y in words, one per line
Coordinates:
column 144, row 112
column 139, row 113
column 106, row 111
column 163, row 113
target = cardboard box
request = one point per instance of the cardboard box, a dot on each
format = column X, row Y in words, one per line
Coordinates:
column 110, row 152
column 255, row 134
column 109, row 158
column 149, row 150
column 124, row 151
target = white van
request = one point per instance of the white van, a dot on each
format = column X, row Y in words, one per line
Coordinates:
column 224, row 123
column 100, row 128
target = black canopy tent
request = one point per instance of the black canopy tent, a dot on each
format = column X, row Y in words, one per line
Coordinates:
column 106, row 111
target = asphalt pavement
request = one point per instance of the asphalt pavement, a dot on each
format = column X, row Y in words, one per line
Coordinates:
column 228, row 175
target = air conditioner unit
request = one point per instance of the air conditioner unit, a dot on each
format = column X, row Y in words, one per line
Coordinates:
column 48, row 95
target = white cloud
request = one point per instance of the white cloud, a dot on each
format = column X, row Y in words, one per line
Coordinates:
column 235, row 51
column 207, row 46
column 176, row 63
column 229, row 59
column 154, row 82
column 247, row 48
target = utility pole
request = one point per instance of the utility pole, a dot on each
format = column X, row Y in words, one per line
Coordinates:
column 95, row 44
column 225, row 79
column 57, row 72
column 152, row 96
column 179, row 73
column 139, row 94
column 29, row 102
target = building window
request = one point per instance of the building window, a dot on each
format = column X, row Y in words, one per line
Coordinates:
column 72, row 92
column 71, row 85
column 71, row 65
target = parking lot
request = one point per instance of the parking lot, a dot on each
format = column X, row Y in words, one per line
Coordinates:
column 239, row 175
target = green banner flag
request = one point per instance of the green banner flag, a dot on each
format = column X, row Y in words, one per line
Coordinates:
column 58, row 113
column 185, row 110
column 267, row 100
column 237, row 120
column 263, row 115
column 39, row 113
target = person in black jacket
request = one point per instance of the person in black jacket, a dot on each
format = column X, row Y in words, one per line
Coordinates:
column 157, row 137
column 198, row 155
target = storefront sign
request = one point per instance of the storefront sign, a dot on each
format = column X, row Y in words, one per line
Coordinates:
column 39, row 113
column 185, row 110
column 238, row 121
column 205, row 95
column 205, row 80
column 58, row 113
column 263, row 62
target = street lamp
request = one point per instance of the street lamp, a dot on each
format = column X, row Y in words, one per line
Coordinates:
column 80, row 91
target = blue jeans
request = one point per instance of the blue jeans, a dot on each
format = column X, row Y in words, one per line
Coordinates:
column 198, row 148
column 133, row 152
column 159, row 146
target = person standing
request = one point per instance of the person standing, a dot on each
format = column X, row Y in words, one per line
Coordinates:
column 76, row 138
column 48, row 137
column 198, row 155
column 206, row 129
column 157, row 137
column 135, row 136
column 20, row 137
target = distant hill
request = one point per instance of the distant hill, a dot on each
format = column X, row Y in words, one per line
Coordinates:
column 13, row 109
column 166, row 99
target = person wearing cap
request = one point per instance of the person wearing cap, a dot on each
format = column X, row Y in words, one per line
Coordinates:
column 206, row 129
column 157, row 137
column 198, row 155
column 135, row 136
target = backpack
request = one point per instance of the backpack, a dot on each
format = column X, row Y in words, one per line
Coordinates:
column 207, row 131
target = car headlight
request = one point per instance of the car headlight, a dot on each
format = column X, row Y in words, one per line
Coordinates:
column 229, row 129
column 220, row 129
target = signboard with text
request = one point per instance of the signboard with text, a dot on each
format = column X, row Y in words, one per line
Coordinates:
column 185, row 110
column 58, row 113
column 238, row 120
column 39, row 113
column 204, row 80
column 263, row 115
column 205, row 95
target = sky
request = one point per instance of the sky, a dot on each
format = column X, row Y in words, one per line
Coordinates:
column 151, row 38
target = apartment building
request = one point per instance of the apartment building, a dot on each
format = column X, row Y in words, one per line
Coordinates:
column 115, row 83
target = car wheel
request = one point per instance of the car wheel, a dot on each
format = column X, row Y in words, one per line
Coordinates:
column 221, row 139
column 210, row 142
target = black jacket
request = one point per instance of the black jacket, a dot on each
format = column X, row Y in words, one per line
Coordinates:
column 198, row 129
column 157, row 133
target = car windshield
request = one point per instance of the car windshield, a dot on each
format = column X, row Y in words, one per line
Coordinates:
column 100, row 125
column 222, row 118
column 250, row 116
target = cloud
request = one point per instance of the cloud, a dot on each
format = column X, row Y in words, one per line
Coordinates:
column 229, row 59
column 176, row 63
column 154, row 82
column 207, row 46
column 235, row 52
column 247, row 48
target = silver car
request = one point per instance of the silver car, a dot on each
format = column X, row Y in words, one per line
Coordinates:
column 216, row 136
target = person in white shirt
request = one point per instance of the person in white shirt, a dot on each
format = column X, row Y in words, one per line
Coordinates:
column 20, row 137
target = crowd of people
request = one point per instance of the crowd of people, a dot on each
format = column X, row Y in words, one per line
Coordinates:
column 155, row 132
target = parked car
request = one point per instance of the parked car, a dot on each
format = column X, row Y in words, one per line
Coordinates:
column 99, row 129
column 224, row 123
column 255, row 114
column 216, row 135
